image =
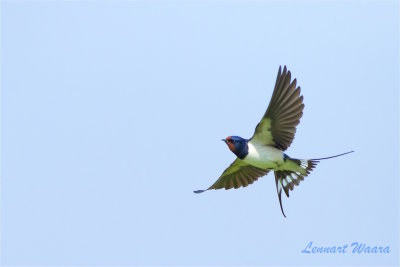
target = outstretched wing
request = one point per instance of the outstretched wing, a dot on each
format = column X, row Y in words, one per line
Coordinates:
column 278, row 125
column 236, row 175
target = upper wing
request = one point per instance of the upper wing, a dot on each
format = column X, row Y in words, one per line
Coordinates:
column 278, row 125
column 236, row 175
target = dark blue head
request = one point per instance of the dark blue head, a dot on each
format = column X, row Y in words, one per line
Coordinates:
column 237, row 145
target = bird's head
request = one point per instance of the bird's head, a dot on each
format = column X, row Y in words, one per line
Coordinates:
column 237, row 145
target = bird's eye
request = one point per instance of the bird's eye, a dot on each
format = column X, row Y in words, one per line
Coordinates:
column 233, row 141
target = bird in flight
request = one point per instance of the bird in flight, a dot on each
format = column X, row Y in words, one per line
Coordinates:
column 264, row 151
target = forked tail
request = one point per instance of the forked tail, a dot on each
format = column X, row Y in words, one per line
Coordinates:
column 334, row 156
column 287, row 179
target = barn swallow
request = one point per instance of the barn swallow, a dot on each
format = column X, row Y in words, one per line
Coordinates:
column 264, row 151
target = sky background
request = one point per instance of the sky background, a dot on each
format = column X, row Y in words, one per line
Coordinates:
column 112, row 113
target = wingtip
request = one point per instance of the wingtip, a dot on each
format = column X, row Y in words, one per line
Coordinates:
column 199, row 191
column 280, row 70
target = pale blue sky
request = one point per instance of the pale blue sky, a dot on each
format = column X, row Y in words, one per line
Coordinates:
column 112, row 113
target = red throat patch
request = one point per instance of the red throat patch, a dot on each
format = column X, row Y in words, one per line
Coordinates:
column 230, row 145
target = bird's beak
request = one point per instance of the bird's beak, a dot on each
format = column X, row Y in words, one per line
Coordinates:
column 224, row 140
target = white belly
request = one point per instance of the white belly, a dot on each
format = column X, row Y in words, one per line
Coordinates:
column 266, row 157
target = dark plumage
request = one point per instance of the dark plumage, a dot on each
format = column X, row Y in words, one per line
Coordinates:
column 264, row 150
